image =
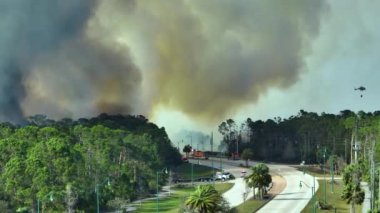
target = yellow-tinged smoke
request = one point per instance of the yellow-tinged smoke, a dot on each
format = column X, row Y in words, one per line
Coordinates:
column 203, row 58
column 210, row 57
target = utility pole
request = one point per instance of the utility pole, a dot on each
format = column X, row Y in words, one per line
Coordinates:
column 345, row 150
column 356, row 145
column 212, row 160
column 192, row 174
column 314, row 210
column 324, row 170
column 191, row 140
column 332, row 174
column 372, row 170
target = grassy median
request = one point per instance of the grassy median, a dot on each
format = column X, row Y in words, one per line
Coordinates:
column 184, row 171
column 172, row 203
column 332, row 197
column 251, row 205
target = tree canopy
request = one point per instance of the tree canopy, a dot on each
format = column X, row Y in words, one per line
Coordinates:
column 246, row 155
column 303, row 137
column 259, row 178
column 69, row 158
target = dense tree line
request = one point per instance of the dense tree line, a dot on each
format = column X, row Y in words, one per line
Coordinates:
column 308, row 136
column 329, row 140
column 67, row 159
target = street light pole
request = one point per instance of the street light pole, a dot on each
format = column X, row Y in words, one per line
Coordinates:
column 157, row 188
column 192, row 174
column 324, row 170
column 157, row 199
column 97, row 186
column 220, row 158
column 212, row 159
column 314, row 193
column 332, row 174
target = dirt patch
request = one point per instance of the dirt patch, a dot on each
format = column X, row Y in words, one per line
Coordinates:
column 279, row 184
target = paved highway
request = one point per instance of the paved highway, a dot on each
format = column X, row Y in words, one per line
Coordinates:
column 292, row 199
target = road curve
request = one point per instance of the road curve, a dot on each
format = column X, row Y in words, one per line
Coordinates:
column 234, row 196
column 292, row 199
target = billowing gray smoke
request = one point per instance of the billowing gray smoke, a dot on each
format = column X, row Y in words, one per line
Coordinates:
column 29, row 29
column 197, row 139
column 51, row 64
column 72, row 58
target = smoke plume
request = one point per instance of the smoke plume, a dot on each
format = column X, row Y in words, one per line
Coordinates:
column 204, row 58
column 198, row 140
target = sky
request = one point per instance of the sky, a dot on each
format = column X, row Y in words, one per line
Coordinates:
column 187, row 65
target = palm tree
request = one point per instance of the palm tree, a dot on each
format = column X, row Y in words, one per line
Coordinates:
column 204, row 199
column 259, row 178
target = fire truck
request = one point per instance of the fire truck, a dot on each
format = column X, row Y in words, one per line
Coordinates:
column 199, row 155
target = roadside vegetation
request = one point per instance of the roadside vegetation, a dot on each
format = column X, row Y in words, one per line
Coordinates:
column 260, row 179
column 339, row 195
column 333, row 142
column 64, row 164
column 334, row 199
column 250, row 206
column 184, row 171
column 176, row 201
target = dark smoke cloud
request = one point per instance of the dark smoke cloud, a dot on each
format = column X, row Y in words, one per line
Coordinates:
column 11, row 92
column 29, row 29
column 56, row 59
column 85, row 77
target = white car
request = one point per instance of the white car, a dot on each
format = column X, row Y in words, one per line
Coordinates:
column 223, row 176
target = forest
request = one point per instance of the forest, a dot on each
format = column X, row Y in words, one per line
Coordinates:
column 69, row 160
column 307, row 137
column 73, row 161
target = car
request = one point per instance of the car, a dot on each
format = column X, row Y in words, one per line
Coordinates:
column 224, row 176
column 185, row 160
column 243, row 173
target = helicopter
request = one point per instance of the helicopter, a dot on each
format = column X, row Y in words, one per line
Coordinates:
column 361, row 89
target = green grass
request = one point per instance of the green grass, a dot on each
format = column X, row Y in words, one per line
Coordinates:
column 332, row 198
column 167, row 204
column 250, row 206
column 223, row 187
column 313, row 170
column 184, row 171
column 172, row 204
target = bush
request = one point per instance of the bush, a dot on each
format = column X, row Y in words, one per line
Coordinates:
column 323, row 206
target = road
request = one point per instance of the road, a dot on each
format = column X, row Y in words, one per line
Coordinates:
column 292, row 199
column 234, row 196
